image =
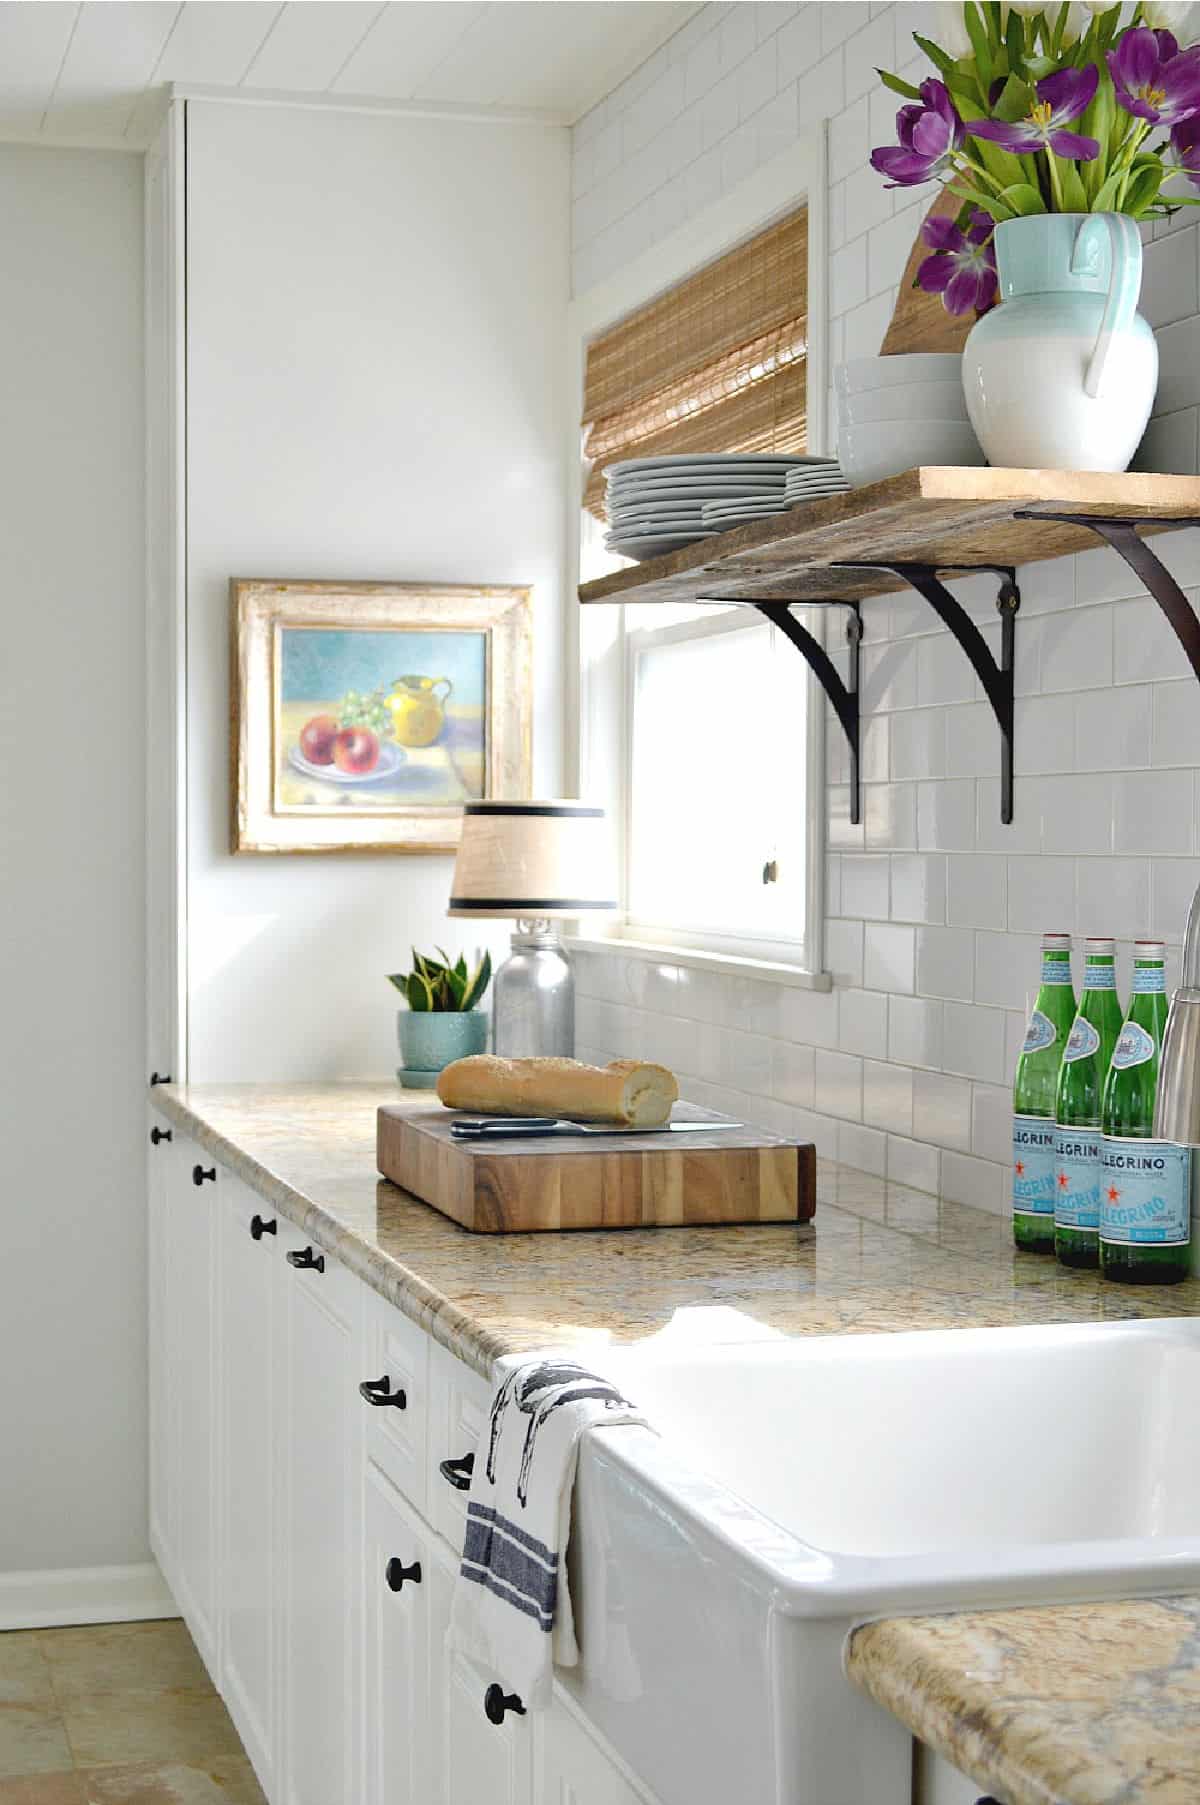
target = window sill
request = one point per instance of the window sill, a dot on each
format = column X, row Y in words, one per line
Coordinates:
column 694, row 959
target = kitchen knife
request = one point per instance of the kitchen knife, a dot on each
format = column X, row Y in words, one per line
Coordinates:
column 487, row 1128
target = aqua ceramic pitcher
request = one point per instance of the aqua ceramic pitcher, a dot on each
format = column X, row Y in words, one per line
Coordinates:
column 1061, row 375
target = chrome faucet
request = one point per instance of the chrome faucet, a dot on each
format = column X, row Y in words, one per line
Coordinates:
column 1177, row 1103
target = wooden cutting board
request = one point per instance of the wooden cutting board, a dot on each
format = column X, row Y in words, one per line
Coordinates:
column 636, row 1181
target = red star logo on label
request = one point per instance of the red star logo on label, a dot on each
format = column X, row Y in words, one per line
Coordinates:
column 1113, row 1193
column 1020, row 1168
column 1064, row 1183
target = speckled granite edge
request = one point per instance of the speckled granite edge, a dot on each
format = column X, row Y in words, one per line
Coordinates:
column 461, row 1334
column 1090, row 1704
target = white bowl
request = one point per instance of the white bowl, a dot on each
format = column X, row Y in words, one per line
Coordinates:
column 863, row 373
column 905, row 401
column 885, row 447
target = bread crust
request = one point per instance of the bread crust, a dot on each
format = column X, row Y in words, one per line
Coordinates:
column 632, row 1092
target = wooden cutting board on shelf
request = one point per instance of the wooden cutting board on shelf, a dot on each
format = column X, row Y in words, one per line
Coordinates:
column 635, row 1181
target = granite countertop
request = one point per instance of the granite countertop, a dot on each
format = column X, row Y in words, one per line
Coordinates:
column 1062, row 1705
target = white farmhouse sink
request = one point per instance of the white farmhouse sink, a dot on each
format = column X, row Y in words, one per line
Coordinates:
column 799, row 1487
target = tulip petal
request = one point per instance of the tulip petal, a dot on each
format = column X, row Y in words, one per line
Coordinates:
column 941, row 233
column 1070, row 92
column 961, row 290
column 1134, row 62
column 935, row 273
column 1074, row 148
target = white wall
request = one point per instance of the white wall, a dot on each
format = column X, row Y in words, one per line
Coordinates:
column 376, row 310
column 933, row 906
column 72, row 1070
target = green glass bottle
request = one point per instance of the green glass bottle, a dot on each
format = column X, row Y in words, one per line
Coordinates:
column 1035, row 1093
column 1145, row 1222
column 1077, row 1114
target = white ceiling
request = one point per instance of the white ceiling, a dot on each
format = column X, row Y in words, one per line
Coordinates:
column 95, row 71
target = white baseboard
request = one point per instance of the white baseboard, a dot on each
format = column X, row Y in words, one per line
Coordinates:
column 60, row 1595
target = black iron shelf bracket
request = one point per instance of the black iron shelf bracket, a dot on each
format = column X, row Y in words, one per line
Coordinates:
column 996, row 678
column 1146, row 565
column 843, row 697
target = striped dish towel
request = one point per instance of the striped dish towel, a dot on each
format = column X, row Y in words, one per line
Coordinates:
column 512, row 1607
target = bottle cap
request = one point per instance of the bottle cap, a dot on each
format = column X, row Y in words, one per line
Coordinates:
column 1100, row 946
column 1056, row 943
column 1149, row 949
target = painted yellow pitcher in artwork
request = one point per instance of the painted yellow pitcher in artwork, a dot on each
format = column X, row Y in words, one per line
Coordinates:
column 418, row 709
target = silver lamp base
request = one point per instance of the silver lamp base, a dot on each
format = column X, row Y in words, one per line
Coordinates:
column 533, row 997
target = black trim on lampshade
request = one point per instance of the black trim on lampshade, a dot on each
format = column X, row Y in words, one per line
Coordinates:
column 529, row 808
column 525, row 905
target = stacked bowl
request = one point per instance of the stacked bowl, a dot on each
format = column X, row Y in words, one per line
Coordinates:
column 657, row 505
column 894, row 413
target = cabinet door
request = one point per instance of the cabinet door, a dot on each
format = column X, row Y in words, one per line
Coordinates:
column 249, row 1386
column 399, row 1655
column 572, row 1769
column 481, row 1763
column 191, row 1400
column 937, row 1783
column 322, row 1454
column 162, row 1177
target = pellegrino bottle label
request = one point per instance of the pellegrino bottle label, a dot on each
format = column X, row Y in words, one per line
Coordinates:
column 1100, row 976
column 1082, row 1041
column 1033, row 1166
column 1039, row 1032
column 1148, row 979
column 1144, row 1195
column 1077, row 1154
column 1134, row 1047
column 1056, row 967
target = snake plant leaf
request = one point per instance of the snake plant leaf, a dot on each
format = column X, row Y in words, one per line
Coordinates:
column 420, row 993
column 479, row 980
column 400, row 980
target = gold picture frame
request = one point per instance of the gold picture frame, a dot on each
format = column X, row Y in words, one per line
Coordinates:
column 383, row 763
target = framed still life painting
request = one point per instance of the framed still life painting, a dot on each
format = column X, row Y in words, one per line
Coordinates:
column 366, row 714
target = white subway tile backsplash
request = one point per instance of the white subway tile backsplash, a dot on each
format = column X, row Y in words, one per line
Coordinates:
column 970, row 740
column 810, row 1016
column 975, row 1181
column 946, row 963
column 912, row 1163
column 837, row 1086
column 917, row 743
column 839, row 22
column 848, row 145
column 869, row 50
column 991, row 1122
column 890, row 815
column 1169, row 444
column 888, row 957
column 1007, row 968
column 842, row 833
column 887, row 1096
column 1041, row 891
column 1178, row 366
column 919, row 887
column 973, row 1041
column 1077, row 650
column 942, row 1110
column 914, row 1031
column 1170, row 289
column 865, row 886
column 976, row 890
column 1076, row 812
column 1144, row 646
column 738, row 35
column 792, row 1074
column 1102, row 576
column 943, row 672
column 1176, row 736
column 1044, row 735
column 1152, row 811
column 844, row 951
column 864, row 1148
column 848, row 276
column 863, row 1023
column 1112, row 728
column 758, row 78
column 946, row 815
column 1173, row 883
column 1112, row 896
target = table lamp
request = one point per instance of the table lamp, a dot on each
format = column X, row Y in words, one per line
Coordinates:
column 540, row 862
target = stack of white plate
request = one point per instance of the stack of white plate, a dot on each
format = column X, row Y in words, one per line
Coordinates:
column 896, row 412
column 805, row 481
column 657, row 505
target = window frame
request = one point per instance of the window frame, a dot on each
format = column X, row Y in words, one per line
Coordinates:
column 598, row 717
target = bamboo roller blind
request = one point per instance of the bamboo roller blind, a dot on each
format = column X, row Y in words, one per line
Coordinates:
column 718, row 364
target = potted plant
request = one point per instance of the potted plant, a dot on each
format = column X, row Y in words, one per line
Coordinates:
column 1056, row 128
column 442, row 1021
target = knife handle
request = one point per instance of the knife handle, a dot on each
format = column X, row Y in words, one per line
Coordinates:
column 468, row 1128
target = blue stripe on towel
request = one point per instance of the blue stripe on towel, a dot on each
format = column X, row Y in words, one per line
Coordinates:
column 491, row 1547
column 483, row 1576
column 486, row 1514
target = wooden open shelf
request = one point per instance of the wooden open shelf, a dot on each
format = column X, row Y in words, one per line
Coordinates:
column 909, row 532
column 940, row 516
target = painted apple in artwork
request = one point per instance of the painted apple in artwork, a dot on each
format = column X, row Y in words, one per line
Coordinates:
column 317, row 739
column 356, row 749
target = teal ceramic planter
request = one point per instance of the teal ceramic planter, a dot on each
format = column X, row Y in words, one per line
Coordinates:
column 431, row 1040
column 1062, row 374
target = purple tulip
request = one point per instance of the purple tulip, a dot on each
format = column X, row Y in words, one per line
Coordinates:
column 1061, row 97
column 1185, row 145
column 1153, row 78
column 929, row 135
column 963, row 266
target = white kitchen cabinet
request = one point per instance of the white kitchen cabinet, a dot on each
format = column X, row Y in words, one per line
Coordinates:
column 400, row 1652
column 936, row 1782
column 320, row 1422
column 250, row 1389
column 481, row 1760
column 162, row 1167
column 573, row 1769
column 190, row 1399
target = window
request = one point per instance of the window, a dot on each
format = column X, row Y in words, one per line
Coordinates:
column 698, row 724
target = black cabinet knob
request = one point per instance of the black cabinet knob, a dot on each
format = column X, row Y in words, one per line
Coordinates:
column 160, row 1077
column 199, row 1174
column 458, row 1472
column 159, row 1134
column 496, row 1702
column 396, row 1573
column 375, row 1391
column 307, row 1260
column 259, row 1228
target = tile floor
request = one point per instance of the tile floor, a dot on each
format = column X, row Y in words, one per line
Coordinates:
column 115, row 1714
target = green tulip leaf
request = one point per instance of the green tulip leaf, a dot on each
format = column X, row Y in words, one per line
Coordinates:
column 1023, row 199
column 904, row 88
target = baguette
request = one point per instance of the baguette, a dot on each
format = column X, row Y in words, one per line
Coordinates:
column 626, row 1091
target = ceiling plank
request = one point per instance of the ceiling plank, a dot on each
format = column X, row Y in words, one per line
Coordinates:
column 405, row 43
column 311, row 43
column 110, row 57
column 33, row 40
column 215, row 41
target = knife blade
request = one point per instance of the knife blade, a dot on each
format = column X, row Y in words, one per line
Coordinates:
column 468, row 1128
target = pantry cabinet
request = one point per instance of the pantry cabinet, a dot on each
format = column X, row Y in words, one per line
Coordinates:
column 302, row 1519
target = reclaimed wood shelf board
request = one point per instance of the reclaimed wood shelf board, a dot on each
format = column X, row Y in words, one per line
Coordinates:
column 942, row 516
column 742, row 1175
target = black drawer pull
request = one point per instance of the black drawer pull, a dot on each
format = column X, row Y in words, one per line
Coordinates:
column 375, row 1391
column 160, row 1077
column 259, row 1228
column 199, row 1174
column 496, row 1702
column 458, row 1472
column 159, row 1134
column 307, row 1260
column 396, row 1573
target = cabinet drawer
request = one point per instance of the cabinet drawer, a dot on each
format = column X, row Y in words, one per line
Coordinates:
column 458, row 1406
column 395, row 1350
